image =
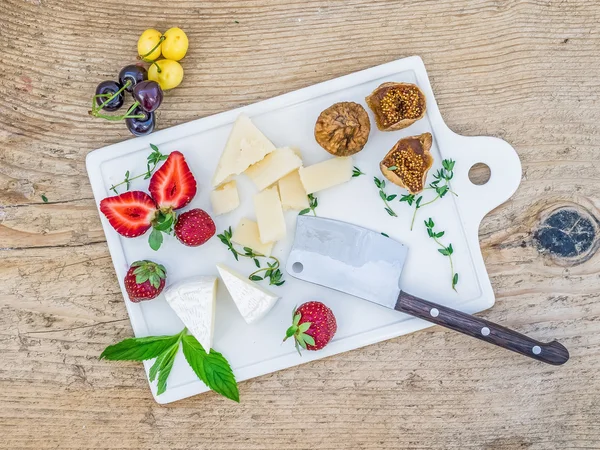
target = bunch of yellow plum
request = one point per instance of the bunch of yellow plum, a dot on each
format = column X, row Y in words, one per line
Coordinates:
column 172, row 45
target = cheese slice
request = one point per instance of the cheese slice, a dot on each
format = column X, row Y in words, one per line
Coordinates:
column 274, row 166
column 193, row 300
column 225, row 198
column 292, row 193
column 251, row 300
column 245, row 146
column 246, row 235
column 269, row 215
column 326, row 174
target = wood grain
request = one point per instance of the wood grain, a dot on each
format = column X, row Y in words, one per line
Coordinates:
column 526, row 71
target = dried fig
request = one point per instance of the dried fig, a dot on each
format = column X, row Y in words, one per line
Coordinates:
column 343, row 128
column 397, row 105
column 408, row 162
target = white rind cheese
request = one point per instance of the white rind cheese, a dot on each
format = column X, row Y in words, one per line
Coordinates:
column 225, row 198
column 326, row 174
column 193, row 300
column 251, row 300
column 269, row 215
column 273, row 167
column 292, row 193
column 246, row 235
column 245, row 146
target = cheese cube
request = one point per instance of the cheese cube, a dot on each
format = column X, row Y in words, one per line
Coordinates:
column 326, row 174
column 225, row 198
column 252, row 301
column 292, row 193
column 269, row 215
column 246, row 235
column 273, row 167
column 245, row 146
column 194, row 300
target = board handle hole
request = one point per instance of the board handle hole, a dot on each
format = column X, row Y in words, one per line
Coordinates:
column 480, row 174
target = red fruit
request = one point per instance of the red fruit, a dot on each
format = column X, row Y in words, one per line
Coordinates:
column 194, row 227
column 130, row 213
column 313, row 326
column 145, row 280
column 173, row 186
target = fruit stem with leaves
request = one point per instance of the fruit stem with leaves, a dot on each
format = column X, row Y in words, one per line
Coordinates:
column 443, row 175
column 95, row 112
column 153, row 158
column 212, row 368
column 301, row 339
column 272, row 271
column 386, row 198
column 313, row 202
column 446, row 251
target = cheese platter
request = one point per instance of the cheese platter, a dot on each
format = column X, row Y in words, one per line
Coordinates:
column 255, row 169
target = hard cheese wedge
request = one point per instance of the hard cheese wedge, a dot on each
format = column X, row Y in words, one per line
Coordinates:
column 225, row 198
column 245, row 146
column 246, row 235
column 291, row 192
column 326, row 174
column 193, row 300
column 269, row 216
column 274, row 166
column 252, row 300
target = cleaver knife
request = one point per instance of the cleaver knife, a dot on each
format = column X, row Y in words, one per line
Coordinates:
column 366, row 264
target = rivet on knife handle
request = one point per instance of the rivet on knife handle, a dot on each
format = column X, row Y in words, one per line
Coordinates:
column 552, row 353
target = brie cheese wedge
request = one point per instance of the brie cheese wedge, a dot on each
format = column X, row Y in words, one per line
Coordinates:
column 245, row 146
column 193, row 300
column 251, row 300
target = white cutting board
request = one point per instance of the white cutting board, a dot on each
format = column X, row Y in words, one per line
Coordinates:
column 288, row 120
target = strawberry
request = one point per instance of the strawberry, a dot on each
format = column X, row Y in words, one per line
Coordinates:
column 173, row 186
column 145, row 280
column 313, row 326
column 130, row 213
column 194, row 227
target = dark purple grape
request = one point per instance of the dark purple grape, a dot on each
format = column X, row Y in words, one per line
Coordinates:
column 134, row 74
column 143, row 126
column 109, row 87
column 149, row 94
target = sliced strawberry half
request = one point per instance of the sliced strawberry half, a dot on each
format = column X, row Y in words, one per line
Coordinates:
column 130, row 213
column 173, row 185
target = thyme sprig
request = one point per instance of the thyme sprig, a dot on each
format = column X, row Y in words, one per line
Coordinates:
column 441, row 186
column 356, row 172
column 313, row 202
column 444, row 250
column 386, row 198
column 272, row 272
column 153, row 160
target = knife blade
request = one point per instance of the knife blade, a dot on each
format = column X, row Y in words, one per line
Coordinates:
column 368, row 265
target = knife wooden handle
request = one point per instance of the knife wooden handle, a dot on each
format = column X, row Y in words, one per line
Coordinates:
column 552, row 353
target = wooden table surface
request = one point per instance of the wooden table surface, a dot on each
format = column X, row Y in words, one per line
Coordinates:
column 525, row 71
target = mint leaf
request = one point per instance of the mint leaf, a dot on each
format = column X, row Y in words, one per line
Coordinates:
column 166, row 365
column 139, row 349
column 213, row 369
column 155, row 240
column 155, row 367
column 44, row 198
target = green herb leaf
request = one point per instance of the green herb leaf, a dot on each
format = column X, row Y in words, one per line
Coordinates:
column 391, row 197
column 256, row 262
column 213, row 369
column 139, row 349
column 385, row 234
column 356, row 172
column 155, row 240
column 455, row 280
column 44, row 198
column 164, row 370
column 156, row 366
column 154, row 147
column 255, row 278
column 304, row 211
